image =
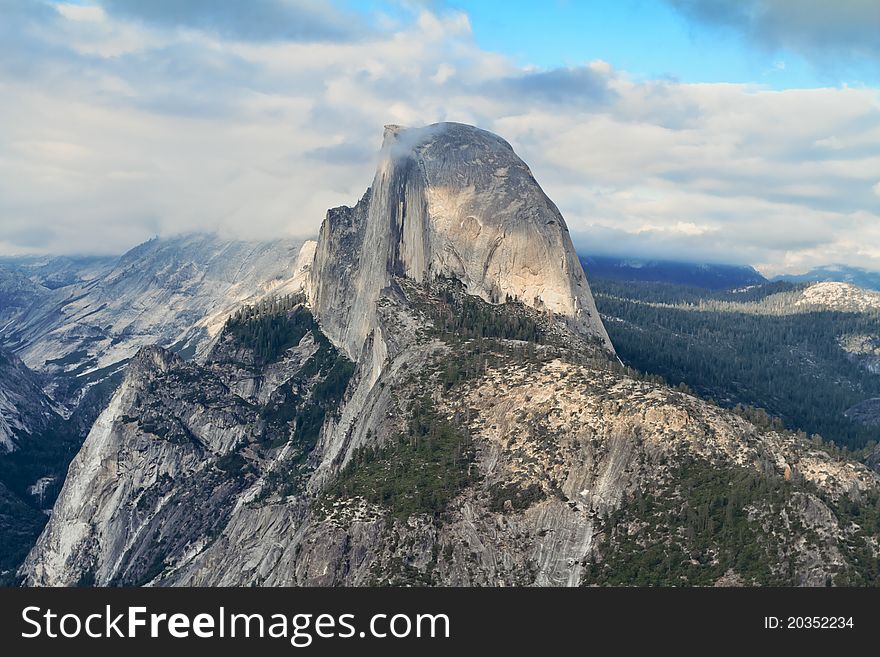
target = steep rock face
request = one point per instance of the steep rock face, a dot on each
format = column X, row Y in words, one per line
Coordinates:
column 174, row 292
column 25, row 411
column 77, row 321
column 98, row 518
column 166, row 463
column 448, row 200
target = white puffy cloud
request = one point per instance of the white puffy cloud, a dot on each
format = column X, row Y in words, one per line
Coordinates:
column 125, row 126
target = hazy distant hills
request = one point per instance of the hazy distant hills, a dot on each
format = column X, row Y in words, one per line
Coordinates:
column 709, row 276
column 52, row 272
column 716, row 276
column 842, row 273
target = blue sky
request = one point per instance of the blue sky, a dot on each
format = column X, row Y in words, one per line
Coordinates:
column 744, row 132
column 646, row 38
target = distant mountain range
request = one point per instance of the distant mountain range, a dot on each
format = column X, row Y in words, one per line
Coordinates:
column 704, row 275
column 711, row 276
column 840, row 273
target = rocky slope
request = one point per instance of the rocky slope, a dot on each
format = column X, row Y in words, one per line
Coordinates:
column 863, row 349
column 844, row 297
column 79, row 320
column 31, row 439
column 443, row 412
column 481, row 461
column 174, row 292
column 25, row 411
column 17, row 293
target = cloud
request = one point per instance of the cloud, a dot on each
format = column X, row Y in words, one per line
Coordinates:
column 582, row 85
column 266, row 20
column 820, row 30
column 124, row 127
column 344, row 154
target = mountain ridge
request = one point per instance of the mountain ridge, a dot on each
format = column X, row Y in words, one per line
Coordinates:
column 840, row 273
column 171, row 291
column 708, row 275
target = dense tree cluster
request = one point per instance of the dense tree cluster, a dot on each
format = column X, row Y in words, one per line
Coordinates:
column 271, row 326
column 698, row 528
column 21, row 521
column 418, row 471
column 465, row 317
column 20, row 524
column 297, row 410
column 692, row 532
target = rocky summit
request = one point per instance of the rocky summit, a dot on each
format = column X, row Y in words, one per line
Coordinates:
column 441, row 405
column 448, row 200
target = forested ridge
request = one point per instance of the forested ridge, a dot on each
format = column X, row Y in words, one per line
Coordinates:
column 271, row 326
column 747, row 347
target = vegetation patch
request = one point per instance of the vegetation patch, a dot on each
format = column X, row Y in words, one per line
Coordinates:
column 419, row 471
column 233, row 464
column 298, row 410
column 69, row 359
column 694, row 530
column 862, row 517
column 20, row 525
column 505, row 497
column 465, row 316
column 272, row 326
column 747, row 348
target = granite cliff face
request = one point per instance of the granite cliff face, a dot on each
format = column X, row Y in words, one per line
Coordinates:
column 448, row 200
column 78, row 321
column 491, row 461
column 31, row 434
column 443, row 407
column 174, row 292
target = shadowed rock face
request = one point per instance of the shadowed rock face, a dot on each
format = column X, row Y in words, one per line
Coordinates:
column 24, row 408
column 448, row 200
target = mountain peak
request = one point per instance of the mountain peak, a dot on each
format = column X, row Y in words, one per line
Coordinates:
column 448, row 200
column 441, row 136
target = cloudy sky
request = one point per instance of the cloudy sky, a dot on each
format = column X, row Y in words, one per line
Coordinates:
column 707, row 130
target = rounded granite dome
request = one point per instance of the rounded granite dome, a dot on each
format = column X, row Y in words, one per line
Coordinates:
column 452, row 200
